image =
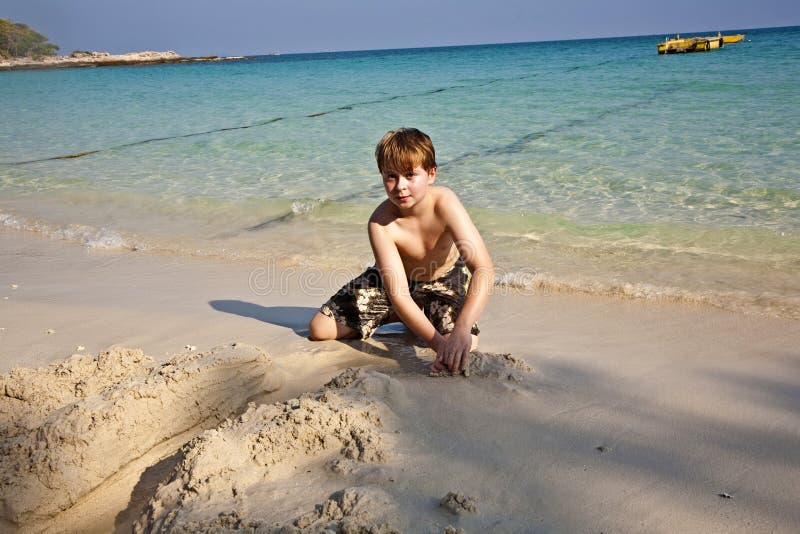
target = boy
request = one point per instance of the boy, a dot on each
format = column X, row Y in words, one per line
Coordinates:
column 423, row 241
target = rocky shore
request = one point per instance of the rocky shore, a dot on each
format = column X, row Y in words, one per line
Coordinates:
column 104, row 59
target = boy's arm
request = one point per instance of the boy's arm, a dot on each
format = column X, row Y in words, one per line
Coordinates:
column 454, row 352
column 394, row 282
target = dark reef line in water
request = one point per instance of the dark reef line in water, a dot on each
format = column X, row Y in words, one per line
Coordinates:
column 520, row 144
column 347, row 107
column 146, row 141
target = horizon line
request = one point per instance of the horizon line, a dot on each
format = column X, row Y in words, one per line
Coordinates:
column 356, row 50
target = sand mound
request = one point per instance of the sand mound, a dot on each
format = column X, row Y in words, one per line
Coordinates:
column 358, row 509
column 346, row 378
column 373, row 384
column 67, row 428
column 29, row 395
column 492, row 365
column 457, row 503
column 224, row 470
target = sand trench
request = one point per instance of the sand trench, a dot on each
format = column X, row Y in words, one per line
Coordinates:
column 68, row 427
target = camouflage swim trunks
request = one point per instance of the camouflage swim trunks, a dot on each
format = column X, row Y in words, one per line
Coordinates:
column 363, row 305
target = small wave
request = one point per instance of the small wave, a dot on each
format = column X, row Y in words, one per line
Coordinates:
column 88, row 236
column 529, row 282
column 300, row 207
column 229, row 248
column 755, row 246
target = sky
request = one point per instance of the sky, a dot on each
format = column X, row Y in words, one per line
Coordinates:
column 251, row 27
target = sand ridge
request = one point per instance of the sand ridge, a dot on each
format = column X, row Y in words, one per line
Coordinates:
column 29, row 395
column 222, row 467
column 70, row 426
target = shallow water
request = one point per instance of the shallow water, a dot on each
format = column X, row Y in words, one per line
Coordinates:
column 594, row 166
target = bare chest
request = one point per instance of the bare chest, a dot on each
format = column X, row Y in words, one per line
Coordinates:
column 426, row 249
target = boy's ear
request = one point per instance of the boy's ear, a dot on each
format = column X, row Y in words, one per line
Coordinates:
column 431, row 175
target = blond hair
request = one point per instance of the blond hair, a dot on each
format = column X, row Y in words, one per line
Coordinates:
column 404, row 149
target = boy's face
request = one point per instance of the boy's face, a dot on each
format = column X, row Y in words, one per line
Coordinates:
column 407, row 189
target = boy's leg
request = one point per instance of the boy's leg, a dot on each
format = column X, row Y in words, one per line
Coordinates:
column 322, row 328
column 355, row 311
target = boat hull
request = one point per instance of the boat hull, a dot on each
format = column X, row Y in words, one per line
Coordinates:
column 697, row 44
column 730, row 39
column 690, row 44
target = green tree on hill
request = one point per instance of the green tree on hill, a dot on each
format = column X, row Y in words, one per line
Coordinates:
column 18, row 40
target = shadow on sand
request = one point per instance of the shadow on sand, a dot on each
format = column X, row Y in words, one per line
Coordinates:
column 294, row 317
column 389, row 341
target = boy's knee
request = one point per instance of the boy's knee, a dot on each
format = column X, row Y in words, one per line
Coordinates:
column 321, row 328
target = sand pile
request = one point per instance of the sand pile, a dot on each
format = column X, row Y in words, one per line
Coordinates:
column 229, row 476
column 29, row 395
column 456, row 503
column 349, row 510
column 264, row 470
column 493, row 365
column 66, row 428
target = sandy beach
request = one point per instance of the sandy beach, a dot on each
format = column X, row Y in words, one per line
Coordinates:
column 196, row 403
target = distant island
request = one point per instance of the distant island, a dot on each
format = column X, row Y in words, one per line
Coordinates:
column 18, row 40
column 22, row 47
column 104, row 59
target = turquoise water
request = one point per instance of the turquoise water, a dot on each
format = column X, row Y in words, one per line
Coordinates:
column 592, row 165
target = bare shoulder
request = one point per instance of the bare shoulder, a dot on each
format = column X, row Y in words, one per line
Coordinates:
column 381, row 231
column 448, row 205
column 443, row 193
column 383, row 215
column 381, row 223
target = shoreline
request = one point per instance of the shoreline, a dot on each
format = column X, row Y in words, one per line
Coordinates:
column 104, row 59
column 554, row 256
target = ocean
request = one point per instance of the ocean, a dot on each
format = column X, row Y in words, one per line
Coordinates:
column 591, row 166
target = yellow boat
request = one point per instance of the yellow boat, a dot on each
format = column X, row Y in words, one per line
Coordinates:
column 686, row 45
column 730, row 39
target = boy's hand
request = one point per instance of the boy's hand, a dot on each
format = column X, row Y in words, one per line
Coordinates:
column 453, row 352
